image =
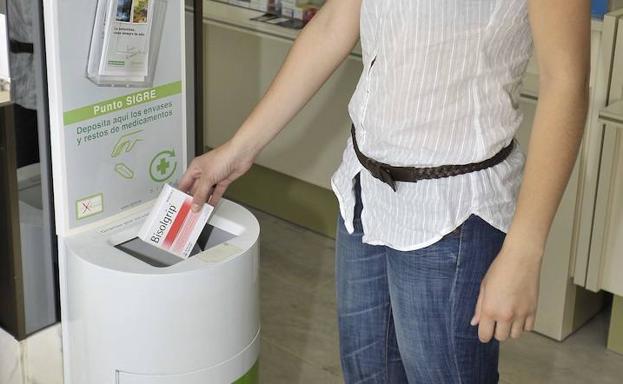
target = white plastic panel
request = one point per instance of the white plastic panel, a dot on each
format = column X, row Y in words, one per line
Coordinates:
column 5, row 76
column 225, row 373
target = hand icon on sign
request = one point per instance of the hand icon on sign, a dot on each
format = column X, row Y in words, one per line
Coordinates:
column 126, row 143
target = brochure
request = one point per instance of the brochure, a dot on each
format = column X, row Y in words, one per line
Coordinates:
column 125, row 41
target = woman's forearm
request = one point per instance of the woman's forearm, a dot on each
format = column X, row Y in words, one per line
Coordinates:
column 562, row 50
column 319, row 49
column 554, row 144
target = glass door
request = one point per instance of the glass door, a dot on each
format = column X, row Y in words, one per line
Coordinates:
column 28, row 282
column 11, row 304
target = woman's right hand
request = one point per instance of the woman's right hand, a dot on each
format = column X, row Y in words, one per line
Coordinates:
column 209, row 175
column 308, row 65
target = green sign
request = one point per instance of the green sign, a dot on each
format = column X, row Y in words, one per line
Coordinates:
column 120, row 103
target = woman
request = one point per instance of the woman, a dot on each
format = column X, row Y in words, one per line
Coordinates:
column 433, row 273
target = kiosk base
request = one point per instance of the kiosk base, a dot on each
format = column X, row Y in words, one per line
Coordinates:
column 126, row 320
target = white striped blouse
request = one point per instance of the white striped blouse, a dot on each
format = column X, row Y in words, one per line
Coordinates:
column 440, row 85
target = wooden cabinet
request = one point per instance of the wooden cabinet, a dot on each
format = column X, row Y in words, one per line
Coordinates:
column 601, row 143
column 604, row 262
column 242, row 57
column 600, row 265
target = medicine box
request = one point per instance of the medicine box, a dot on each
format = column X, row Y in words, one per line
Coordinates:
column 172, row 225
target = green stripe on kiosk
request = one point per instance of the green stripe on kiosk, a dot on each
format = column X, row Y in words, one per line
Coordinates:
column 123, row 102
column 251, row 377
column 132, row 313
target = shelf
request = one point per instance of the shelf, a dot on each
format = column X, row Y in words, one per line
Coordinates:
column 240, row 18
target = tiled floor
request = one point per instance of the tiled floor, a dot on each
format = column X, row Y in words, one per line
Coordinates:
column 299, row 342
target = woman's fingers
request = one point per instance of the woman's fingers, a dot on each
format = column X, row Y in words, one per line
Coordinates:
column 476, row 318
column 529, row 324
column 194, row 189
column 218, row 192
column 502, row 330
column 202, row 194
column 188, row 179
column 209, row 175
column 486, row 329
column 517, row 328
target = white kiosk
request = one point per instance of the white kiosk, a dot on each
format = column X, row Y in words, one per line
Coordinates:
column 135, row 315
column 132, row 314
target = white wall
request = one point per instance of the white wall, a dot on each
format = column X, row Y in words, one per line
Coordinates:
column 4, row 49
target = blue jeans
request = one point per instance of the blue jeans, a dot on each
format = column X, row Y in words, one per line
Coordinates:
column 404, row 316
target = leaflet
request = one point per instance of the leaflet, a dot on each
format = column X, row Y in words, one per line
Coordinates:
column 125, row 41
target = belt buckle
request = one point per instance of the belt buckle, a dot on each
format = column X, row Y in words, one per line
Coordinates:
column 383, row 173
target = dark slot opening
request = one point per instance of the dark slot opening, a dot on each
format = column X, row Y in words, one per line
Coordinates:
column 210, row 237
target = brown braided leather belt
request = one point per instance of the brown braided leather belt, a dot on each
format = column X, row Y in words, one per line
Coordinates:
column 390, row 174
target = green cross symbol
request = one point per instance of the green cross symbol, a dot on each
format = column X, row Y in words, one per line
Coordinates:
column 162, row 166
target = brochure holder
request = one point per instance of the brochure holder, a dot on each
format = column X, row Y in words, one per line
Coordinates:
column 125, row 42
